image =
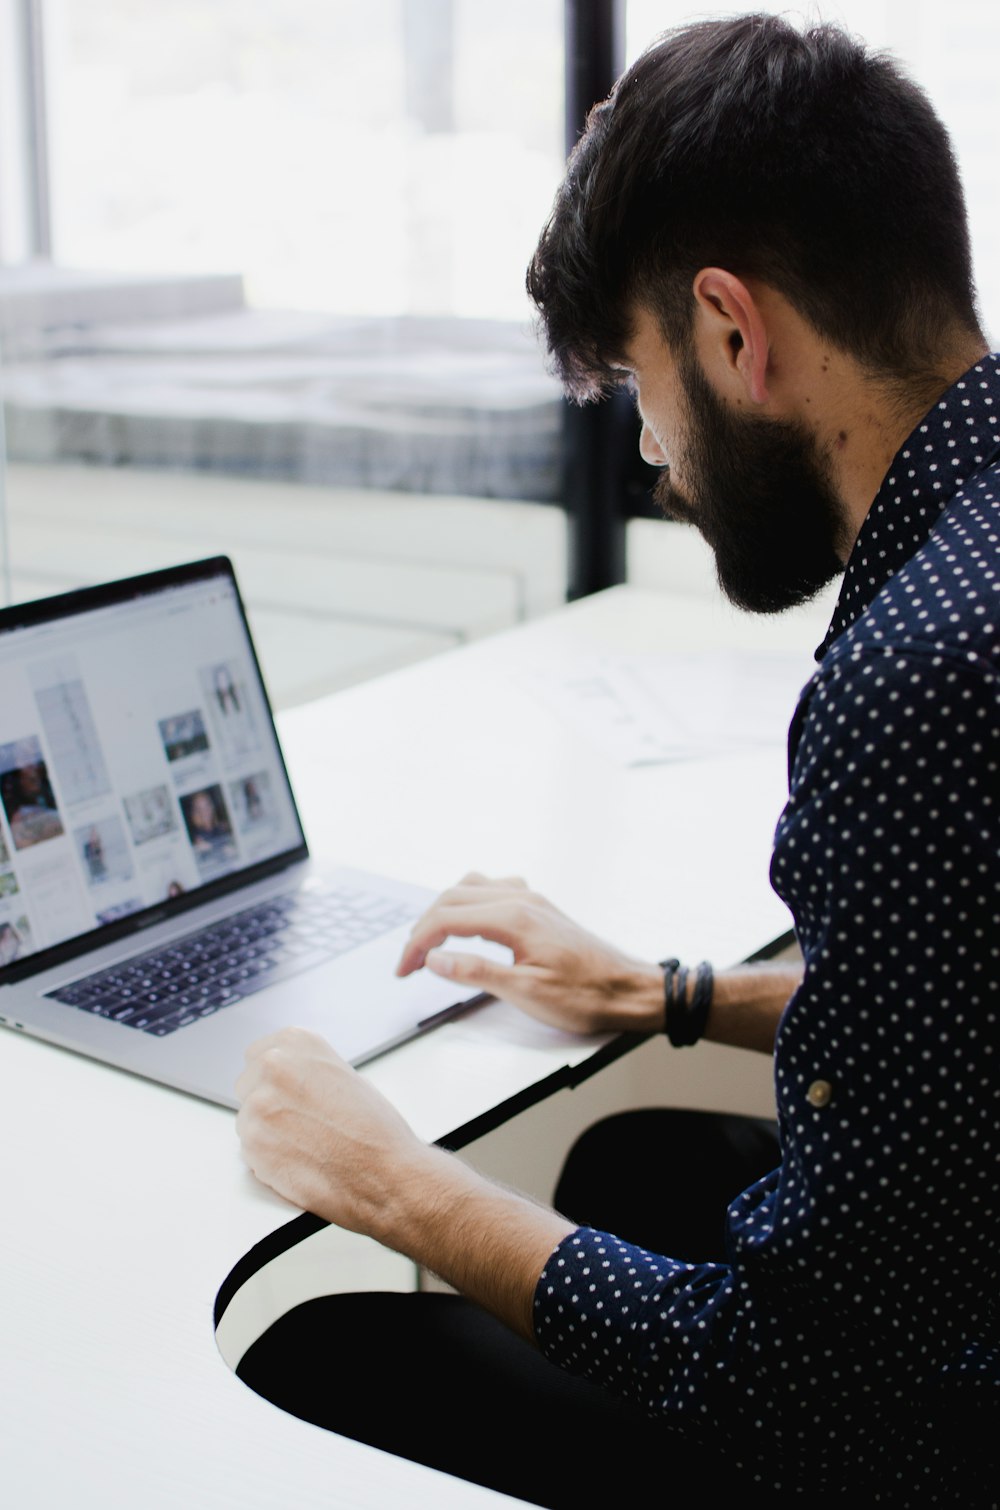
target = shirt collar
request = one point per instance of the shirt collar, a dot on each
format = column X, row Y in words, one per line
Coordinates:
column 959, row 437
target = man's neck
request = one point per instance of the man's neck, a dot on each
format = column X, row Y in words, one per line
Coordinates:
column 867, row 421
column 859, row 421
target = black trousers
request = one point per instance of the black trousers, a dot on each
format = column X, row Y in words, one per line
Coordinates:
column 436, row 1379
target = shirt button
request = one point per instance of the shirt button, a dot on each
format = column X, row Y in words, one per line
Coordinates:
column 819, row 1093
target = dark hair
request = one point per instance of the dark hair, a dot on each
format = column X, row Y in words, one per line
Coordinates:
column 798, row 158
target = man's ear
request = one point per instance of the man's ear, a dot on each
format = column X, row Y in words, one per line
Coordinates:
column 731, row 332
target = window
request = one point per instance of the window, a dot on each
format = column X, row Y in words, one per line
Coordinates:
column 288, row 245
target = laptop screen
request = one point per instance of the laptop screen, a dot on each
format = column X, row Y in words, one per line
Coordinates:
column 138, row 759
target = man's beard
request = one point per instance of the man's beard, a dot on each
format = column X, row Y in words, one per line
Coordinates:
column 761, row 495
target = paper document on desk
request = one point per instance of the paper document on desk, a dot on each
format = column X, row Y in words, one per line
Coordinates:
column 646, row 709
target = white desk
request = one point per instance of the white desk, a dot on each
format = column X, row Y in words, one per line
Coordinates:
column 124, row 1205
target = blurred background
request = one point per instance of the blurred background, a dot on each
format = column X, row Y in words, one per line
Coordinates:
column 262, row 292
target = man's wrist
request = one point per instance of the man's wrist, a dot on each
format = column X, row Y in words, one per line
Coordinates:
column 642, row 1006
column 688, row 994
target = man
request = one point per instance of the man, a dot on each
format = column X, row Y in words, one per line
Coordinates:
column 763, row 232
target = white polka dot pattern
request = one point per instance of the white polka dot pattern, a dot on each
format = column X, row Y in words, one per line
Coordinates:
column 851, row 1343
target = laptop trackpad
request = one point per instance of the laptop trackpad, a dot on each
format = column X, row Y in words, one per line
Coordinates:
column 357, row 1002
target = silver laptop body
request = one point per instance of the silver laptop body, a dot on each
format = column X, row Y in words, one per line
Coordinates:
column 158, row 906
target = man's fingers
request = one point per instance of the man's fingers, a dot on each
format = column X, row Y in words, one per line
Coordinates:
column 293, row 1040
column 253, row 1069
column 471, row 893
column 476, row 878
column 284, row 1038
column 261, row 1045
column 247, row 1129
column 246, row 1081
column 470, row 970
column 502, row 922
column 414, row 954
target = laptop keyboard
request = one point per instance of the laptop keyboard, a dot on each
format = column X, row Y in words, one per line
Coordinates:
column 193, row 977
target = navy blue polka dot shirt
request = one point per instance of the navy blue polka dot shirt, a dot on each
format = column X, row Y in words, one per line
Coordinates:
column 851, row 1343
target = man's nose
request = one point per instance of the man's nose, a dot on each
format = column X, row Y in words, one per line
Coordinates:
column 650, row 449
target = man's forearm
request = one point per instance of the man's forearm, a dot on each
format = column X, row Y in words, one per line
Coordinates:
column 321, row 1135
column 491, row 1243
column 747, row 1003
column 488, row 1242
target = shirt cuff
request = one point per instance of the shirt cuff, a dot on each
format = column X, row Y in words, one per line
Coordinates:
column 591, row 1307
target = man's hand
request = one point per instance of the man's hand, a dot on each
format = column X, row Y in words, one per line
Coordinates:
column 561, row 974
column 317, row 1133
column 320, row 1135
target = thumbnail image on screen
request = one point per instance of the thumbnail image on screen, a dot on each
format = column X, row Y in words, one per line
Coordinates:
column 15, row 940
column 184, row 734
column 26, row 793
column 209, row 828
column 104, row 852
column 150, row 814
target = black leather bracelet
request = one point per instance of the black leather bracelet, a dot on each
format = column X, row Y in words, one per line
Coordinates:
column 683, row 1022
column 701, row 1001
column 670, row 968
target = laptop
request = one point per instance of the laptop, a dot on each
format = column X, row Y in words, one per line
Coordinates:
column 159, row 909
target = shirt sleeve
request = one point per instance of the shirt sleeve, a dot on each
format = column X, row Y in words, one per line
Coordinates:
column 862, row 1268
column 648, row 1327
